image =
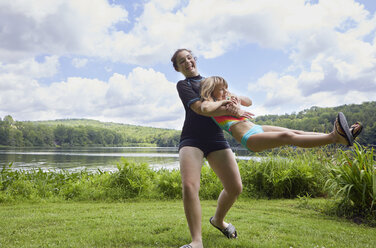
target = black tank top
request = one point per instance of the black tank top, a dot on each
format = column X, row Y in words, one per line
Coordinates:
column 196, row 126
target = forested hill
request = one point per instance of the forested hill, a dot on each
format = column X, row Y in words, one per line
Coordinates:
column 82, row 132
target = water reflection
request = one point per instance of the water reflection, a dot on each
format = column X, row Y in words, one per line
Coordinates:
column 90, row 158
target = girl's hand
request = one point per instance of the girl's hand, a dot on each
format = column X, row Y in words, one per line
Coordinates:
column 225, row 102
column 246, row 114
column 235, row 100
column 233, row 109
column 238, row 112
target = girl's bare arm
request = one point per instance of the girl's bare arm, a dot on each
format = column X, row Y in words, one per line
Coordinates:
column 243, row 100
column 228, row 109
column 210, row 106
column 221, row 110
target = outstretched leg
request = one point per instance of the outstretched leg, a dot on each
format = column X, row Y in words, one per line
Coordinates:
column 267, row 128
column 277, row 136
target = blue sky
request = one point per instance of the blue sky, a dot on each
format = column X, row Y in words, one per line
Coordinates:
column 110, row 60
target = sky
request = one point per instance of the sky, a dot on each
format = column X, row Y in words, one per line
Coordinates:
column 109, row 60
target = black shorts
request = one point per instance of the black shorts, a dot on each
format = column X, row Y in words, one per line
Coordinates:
column 205, row 146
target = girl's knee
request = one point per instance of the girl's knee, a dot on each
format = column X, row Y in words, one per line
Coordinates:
column 239, row 189
column 190, row 188
column 287, row 135
column 235, row 189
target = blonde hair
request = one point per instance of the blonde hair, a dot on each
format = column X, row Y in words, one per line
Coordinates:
column 208, row 85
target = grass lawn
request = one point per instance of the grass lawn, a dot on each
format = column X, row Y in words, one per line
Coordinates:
column 260, row 223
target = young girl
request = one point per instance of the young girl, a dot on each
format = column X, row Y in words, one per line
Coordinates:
column 257, row 138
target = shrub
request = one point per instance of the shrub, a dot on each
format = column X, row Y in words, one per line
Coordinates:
column 353, row 178
column 210, row 184
column 133, row 179
column 7, row 176
column 169, row 184
column 71, row 190
column 283, row 177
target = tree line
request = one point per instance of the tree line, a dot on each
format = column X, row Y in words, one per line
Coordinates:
column 81, row 132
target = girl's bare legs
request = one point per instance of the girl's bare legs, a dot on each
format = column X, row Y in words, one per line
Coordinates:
column 225, row 167
column 278, row 136
column 267, row 128
column 191, row 160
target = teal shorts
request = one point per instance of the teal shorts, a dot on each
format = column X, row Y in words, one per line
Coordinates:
column 254, row 130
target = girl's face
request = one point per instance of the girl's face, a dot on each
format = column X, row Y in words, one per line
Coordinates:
column 186, row 64
column 220, row 92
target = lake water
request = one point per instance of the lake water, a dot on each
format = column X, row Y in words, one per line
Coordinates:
column 93, row 158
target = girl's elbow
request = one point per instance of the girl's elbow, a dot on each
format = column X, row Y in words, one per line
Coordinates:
column 205, row 109
column 248, row 102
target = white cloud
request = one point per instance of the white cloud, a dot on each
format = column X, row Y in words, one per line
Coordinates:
column 143, row 97
column 289, row 24
column 334, row 59
column 332, row 46
column 32, row 68
column 88, row 28
column 328, row 82
column 30, row 28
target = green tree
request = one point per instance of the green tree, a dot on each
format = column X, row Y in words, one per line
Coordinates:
column 60, row 134
column 9, row 120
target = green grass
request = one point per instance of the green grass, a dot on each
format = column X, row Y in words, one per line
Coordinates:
column 149, row 223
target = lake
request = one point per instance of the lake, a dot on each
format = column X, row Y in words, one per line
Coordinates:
column 93, row 158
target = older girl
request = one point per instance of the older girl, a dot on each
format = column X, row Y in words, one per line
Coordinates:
column 200, row 138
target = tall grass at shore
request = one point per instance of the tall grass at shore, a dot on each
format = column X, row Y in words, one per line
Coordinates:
column 353, row 180
column 289, row 174
column 271, row 177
